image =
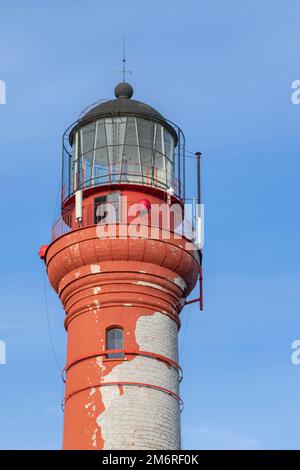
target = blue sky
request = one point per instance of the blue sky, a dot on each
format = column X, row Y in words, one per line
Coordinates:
column 223, row 72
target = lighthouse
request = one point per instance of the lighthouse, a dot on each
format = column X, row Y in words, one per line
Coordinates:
column 123, row 265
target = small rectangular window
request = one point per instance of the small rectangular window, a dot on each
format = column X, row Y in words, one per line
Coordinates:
column 115, row 340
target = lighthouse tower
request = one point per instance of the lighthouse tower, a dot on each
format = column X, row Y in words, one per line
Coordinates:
column 122, row 267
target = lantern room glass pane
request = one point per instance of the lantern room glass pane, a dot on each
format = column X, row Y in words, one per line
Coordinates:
column 131, row 134
column 101, row 135
column 100, row 167
column 131, row 165
column 115, row 133
column 159, row 158
column 168, row 145
column 87, row 138
column 145, row 129
column 87, row 144
column 146, row 142
column 158, row 145
column 169, row 174
column 87, row 164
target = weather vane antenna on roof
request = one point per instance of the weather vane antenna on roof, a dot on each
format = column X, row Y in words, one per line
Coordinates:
column 124, row 71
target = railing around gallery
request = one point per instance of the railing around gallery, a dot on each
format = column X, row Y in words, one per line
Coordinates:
column 178, row 218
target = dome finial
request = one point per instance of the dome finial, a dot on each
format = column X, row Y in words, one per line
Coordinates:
column 123, row 90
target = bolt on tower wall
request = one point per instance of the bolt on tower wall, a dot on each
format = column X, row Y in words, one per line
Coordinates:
column 122, row 272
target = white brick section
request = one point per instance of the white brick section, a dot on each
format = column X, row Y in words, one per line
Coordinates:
column 144, row 418
column 141, row 418
column 159, row 334
column 146, row 370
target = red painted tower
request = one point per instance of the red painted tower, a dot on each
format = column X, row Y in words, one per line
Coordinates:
column 122, row 264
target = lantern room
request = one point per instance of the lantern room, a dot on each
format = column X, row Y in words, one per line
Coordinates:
column 123, row 142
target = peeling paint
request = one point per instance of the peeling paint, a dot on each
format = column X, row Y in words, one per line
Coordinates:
column 96, row 290
column 180, row 282
column 100, row 363
column 149, row 284
column 95, row 268
column 94, row 438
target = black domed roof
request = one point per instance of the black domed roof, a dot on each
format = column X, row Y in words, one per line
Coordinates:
column 123, row 105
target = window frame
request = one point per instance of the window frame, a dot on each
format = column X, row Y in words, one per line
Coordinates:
column 112, row 355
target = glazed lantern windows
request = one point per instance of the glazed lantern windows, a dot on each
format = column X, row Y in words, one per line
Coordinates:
column 122, row 149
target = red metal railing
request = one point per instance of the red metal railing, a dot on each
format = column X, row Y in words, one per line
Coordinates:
column 174, row 219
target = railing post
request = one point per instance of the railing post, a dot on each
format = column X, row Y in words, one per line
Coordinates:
column 198, row 155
